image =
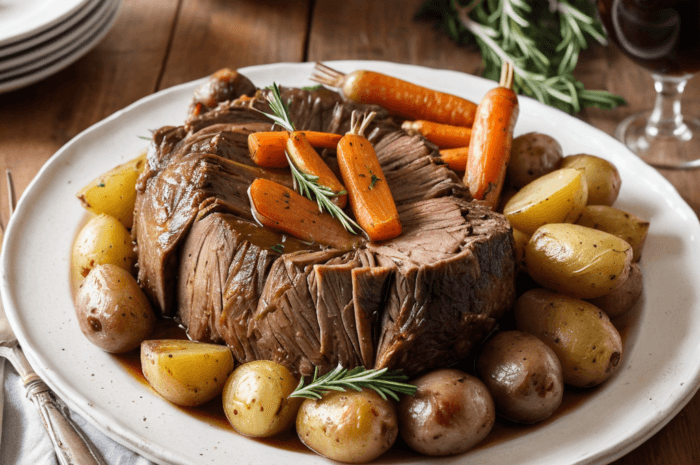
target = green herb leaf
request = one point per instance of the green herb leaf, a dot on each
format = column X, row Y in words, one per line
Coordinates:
column 385, row 383
column 374, row 181
column 543, row 39
column 144, row 137
column 101, row 184
column 279, row 248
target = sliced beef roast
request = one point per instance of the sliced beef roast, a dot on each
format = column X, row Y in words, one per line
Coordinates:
column 416, row 302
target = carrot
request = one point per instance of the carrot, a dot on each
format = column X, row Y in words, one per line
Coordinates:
column 309, row 162
column 370, row 197
column 492, row 137
column 267, row 148
column 281, row 209
column 445, row 136
column 456, row 158
column 399, row 97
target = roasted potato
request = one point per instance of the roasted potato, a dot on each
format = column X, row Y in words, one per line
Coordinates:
column 103, row 240
column 622, row 299
column 532, row 155
column 580, row 334
column 112, row 310
column 577, row 261
column 523, row 375
column 557, row 197
column 449, row 414
column 114, row 193
column 352, row 426
column 256, row 399
column 602, row 178
column 626, row 226
column 186, row 373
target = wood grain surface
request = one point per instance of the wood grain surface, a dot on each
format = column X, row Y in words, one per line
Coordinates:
column 156, row 44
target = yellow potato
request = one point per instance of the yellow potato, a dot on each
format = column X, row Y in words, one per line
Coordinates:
column 114, row 192
column 186, row 373
column 351, row 427
column 557, row 197
column 619, row 223
column 256, row 399
column 622, row 299
column 577, row 261
column 580, row 334
column 602, row 178
column 103, row 240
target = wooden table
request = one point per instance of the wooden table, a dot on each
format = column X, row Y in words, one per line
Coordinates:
column 156, row 44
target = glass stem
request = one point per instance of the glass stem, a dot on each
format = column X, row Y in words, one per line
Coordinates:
column 666, row 119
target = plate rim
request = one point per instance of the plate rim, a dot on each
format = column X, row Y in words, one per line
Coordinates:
column 126, row 437
column 18, row 34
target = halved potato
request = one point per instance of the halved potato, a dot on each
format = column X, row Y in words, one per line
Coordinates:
column 626, row 226
column 557, row 197
column 601, row 176
column 103, row 240
column 114, row 192
column 186, row 373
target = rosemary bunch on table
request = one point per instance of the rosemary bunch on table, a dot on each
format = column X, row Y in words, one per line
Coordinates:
column 305, row 183
column 542, row 38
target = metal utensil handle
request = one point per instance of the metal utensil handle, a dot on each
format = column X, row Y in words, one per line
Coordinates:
column 70, row 445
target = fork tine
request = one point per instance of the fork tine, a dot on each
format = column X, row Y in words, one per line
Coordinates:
column 10, row 191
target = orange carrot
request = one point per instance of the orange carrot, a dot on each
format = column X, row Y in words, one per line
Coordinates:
column 399, row 97
column 370, row 197
column 456, row 159
column 492, row 137
column 445, row 136
column 281, row 209
column 267, row 148
column 308, row 161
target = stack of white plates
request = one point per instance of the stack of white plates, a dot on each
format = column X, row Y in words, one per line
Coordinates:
column 41, row 37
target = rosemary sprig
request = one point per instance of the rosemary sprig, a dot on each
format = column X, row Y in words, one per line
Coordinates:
column 305, row 183
column 386, row 383
column 542, row 38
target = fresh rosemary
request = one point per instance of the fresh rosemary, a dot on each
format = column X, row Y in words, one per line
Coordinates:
column 542, row 38
column 305, row 183
column 386, row 383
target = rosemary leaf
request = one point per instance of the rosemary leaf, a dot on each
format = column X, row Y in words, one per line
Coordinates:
column 385, row 383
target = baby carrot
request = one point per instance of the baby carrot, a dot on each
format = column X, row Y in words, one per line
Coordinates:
column 281, row 209
column 267, row 148
column 399, row 97
column 370, row 197
column 492, row 137
column 445, row 136
column 456, row 158
column 305, row 158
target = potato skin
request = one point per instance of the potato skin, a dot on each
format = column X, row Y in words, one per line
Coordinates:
column 450, row 413
column 577, row 261
column 521, row 240
column 601, row 176
column 523, row 375
column 586, row 343
column 114, row 192
column 557, row 197
column 622, row 299
column 255, row 399
column 112, row 310
column 531, row 156
column 103, row 240
column 186, row 373
column 626, row 226
column 351, row 426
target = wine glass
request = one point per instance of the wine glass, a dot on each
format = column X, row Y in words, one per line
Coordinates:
column 664, row 37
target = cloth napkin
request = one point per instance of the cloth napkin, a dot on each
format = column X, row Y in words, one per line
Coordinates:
column 25, row 441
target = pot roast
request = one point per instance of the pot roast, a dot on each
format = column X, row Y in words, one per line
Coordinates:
column 416, row 302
